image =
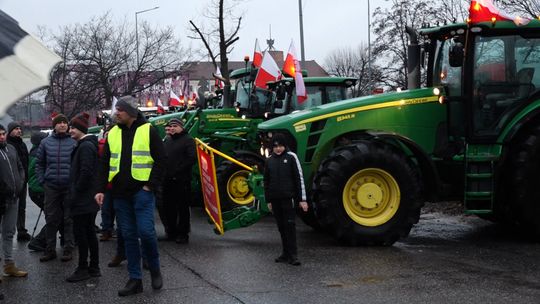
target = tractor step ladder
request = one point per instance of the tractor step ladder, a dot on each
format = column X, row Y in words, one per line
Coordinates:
column 480, row 163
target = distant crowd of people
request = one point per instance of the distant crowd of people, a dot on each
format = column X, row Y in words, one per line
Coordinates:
column 134, row 176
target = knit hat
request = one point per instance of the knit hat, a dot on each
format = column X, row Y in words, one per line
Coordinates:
column 58, row 118
column 13, row 125
column 80, row 122
column 37, row 137
column 129, row 105
column 279, row 140
column 175, row 121
column 2, row 127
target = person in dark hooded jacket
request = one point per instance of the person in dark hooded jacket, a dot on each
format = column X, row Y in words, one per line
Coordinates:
column 15, row 139
column 83, row 207
column 283, row 188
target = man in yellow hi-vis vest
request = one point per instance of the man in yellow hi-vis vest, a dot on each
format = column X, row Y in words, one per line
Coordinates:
column 133, row 161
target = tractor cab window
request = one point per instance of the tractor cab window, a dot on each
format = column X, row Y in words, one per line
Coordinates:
column 503, row 79
column 444, row 74
column 318, row 95
column 254, row 102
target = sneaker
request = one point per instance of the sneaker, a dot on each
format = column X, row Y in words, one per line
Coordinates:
column 106, row 236
column 157, row 279
column 36, row 246
column 10, row 270
column 66, row 256
column 182, row 239
column 94, row 272
column 294, row 262
column 133, row 286
column 116, row 261
column 80, row 274
column 48, row 256
column 281, row 259
column 23, row 237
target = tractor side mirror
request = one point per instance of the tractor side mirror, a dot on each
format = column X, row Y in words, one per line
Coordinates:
column 280, row 92
column 456, row 55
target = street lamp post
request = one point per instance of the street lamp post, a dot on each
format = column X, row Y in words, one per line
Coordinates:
column 137, row 29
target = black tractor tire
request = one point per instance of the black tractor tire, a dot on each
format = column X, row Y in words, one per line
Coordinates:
column 522, row 185
column 233, row 192
column 384, row 194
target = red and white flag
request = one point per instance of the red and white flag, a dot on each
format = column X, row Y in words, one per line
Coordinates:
column 268, row 71
column 485, row 10
column 257, row 55
column 160, row 109
column 292, row 68
column 219, row 83
column 174, row 100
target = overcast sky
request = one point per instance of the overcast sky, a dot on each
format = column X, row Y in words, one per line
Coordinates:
column 328, row 24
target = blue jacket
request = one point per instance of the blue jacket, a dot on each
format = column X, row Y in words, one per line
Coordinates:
column 53, row 160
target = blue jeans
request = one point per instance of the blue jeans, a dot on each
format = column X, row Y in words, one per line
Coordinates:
column 135, row 217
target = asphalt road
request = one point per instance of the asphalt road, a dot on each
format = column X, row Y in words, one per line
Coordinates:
column 446, row 259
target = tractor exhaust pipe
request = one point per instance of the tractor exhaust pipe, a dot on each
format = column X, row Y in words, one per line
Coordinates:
column 413, row 59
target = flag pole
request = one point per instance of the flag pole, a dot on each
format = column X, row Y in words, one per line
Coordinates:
column 301, row 31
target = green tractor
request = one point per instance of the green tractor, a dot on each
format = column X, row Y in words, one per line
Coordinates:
column 471, row 133
column 234, row 130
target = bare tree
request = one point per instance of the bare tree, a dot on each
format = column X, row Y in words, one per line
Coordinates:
column 525, row 8
column 218, row 37
column 354, row 62
column 391, row 39
column 453, row 10
column 100, row 62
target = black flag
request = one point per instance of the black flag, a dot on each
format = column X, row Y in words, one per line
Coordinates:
column 25, row 64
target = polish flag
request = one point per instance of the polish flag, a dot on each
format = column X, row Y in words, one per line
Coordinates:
column 257, row 55
column 219, row 83
column 160, row 109
column 292, row 68
column 268, row 71
column 174, row 100
column 485, row 10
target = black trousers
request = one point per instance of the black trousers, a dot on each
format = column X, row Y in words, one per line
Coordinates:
column 176, row 201
column 285, row 213
column 57, row 212
column 21, row 216
column 85, row 235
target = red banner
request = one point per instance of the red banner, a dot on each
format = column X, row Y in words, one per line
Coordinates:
column 209, row 185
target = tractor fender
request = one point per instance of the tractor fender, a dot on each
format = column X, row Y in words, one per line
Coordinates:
column 240, row 153
column 426, row 166
column 527, row 120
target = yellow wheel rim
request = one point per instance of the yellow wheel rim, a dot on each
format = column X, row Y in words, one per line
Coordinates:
column 238, row 189
column 371, row 197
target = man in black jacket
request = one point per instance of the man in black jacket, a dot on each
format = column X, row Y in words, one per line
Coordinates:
column 181, row 155
column 283, row 187
column 133, row 161
column 15, row 139
column 83, row 207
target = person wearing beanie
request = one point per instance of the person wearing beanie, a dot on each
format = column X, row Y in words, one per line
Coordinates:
column 15, row 138
column 11, row 182
column 129, row 105
column 83, row 207
column 283, row 188
column 181, row 156
column 53, row 162
column 134, row 162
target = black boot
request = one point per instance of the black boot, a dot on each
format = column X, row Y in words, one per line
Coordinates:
column 47, row 256
column 133, row 286
column 157, row 279
column 80, row 274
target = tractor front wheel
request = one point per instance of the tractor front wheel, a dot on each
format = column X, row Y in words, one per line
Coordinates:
column 368, row 193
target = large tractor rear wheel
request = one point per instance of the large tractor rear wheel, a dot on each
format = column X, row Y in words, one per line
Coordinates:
column 367, row 193
column 522, row 204
column 232, row 181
